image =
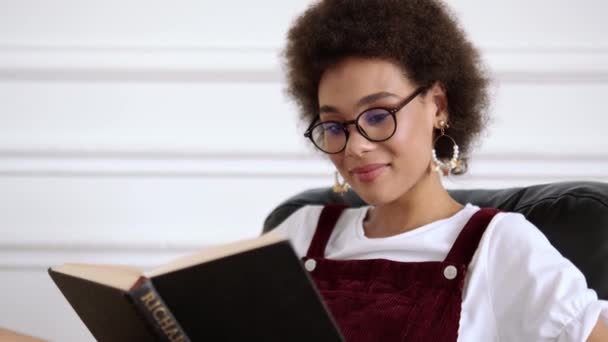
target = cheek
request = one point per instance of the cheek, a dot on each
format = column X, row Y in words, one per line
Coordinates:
column 413, row 137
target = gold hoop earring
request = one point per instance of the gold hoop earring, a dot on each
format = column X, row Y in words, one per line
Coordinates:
column 340, row 187
column 454, row 163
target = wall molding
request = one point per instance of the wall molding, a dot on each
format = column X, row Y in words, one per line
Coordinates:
column 139, row 64
column 31, row 255
column 56, row 163
column 544, row 64
column 41, row 256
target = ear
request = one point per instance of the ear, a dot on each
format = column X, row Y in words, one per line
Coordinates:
column 437, row 93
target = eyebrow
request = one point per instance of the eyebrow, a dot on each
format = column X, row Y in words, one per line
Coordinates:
column 363, row 101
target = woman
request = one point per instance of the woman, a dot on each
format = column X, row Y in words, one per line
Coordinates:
column 393, row 92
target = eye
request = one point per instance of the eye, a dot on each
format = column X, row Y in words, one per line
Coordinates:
column 375, row 117
column 332, row 128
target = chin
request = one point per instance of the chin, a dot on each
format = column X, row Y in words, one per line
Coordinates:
column 375, row 197
column 385, row 192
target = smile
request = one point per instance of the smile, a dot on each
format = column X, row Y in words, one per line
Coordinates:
column 368, row 173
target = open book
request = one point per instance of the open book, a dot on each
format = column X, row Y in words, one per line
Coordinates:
column 251, row 290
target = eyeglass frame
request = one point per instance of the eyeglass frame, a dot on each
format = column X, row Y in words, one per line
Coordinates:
column 392, row 111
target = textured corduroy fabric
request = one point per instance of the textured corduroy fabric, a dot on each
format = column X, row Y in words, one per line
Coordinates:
column 383, row 300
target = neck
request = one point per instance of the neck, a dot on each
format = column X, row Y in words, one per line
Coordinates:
column 427, row 201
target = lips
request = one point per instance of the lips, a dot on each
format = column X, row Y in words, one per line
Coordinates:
column 369, row 172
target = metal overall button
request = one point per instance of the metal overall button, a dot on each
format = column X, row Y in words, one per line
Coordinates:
column 450, row 272
column 310, row 265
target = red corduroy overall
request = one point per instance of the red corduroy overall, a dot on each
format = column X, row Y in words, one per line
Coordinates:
column 383, row 300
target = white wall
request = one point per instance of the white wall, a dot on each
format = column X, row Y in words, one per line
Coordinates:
column 114, row 114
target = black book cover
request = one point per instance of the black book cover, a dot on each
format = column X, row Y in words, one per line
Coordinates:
column 108, row 313
column 259, row 295
column 156, row 313
column 262, row 294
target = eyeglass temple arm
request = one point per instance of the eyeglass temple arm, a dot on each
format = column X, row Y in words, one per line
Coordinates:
column 408, row 99
column 307, row 133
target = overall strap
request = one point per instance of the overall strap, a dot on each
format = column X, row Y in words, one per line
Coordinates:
column 468, row 240
column 327, row 220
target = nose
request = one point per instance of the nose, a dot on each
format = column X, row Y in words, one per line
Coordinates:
column 357, row 144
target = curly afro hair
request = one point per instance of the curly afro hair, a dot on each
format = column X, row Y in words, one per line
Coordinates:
column 421, row 36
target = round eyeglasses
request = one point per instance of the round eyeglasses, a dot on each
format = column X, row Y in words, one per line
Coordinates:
column 375, row 124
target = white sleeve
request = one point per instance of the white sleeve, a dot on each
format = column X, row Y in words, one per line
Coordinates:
column 300, row 226
column 537, row 294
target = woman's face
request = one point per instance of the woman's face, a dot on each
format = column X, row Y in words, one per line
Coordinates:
column 381, row 172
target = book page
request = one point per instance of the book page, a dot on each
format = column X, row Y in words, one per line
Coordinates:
column 117, row 276
column 13, row 336
column 218, row 252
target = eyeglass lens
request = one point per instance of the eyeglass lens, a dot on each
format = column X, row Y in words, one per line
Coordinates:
column 376, row 125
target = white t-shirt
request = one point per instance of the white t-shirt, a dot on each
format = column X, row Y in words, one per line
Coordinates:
column 518, row 287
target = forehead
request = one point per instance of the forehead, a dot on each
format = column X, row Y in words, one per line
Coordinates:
column 353, row 78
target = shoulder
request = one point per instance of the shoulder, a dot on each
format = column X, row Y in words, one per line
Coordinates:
column 304, row 214
column 508, row 229
column 309, row 215
column 511, row 237
column 535, row 291
column 300, row 226
column 516, row 250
